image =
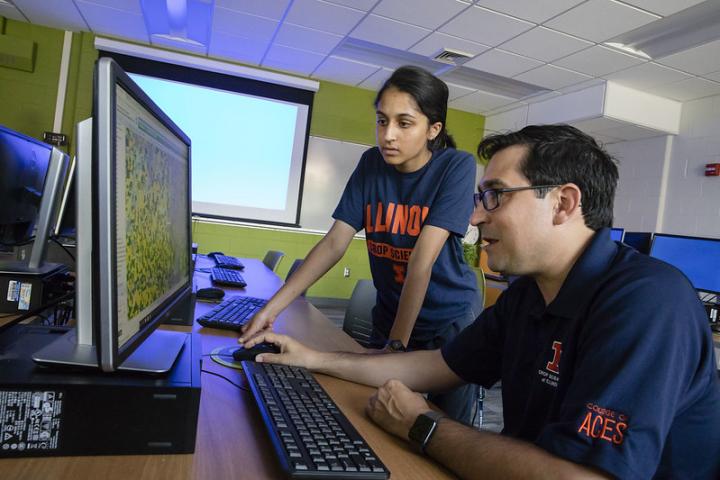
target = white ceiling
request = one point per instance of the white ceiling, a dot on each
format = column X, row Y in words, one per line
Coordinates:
column 553, row 44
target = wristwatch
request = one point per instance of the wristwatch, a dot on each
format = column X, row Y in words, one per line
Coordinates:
column 395, row 346
column 422, row 430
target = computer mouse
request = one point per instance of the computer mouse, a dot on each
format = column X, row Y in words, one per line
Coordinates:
column 210, row 293
column 250, row 353
column 212, row 254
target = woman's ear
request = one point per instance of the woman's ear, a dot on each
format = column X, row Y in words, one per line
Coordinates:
column 434, row 130
column 568, row 203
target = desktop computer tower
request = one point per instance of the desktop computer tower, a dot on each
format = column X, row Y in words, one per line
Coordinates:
column 53, row 412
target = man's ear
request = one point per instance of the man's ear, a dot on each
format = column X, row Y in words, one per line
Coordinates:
column 567, row 203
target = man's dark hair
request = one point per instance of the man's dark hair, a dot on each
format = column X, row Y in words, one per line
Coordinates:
column 431, row 95
column 559, row 154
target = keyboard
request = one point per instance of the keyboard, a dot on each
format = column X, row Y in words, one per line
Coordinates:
column 232, row 313
column 311, row 436
column 225, row 276
column 226, row 261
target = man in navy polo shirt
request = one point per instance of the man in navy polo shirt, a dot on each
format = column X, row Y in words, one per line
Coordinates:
column 605, row 355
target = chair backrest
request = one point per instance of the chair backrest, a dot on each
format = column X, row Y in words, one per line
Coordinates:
column 358, row 316
column 296, row 264
column 272, row 259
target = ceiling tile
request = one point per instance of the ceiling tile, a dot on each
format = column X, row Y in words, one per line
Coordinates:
column 663, row 7
column 551, row 77
column 236, row 48
column 109, row 21
column 713, row 76
column 343, row 70
column 532, row 10
column 432, row 44
column 64, row 15
column 306, row 38
column 260, row 29
column 9, row 11
column 544, row 44
column 647, row 75
column 597, row 124
column 689, row 89
column 324, row 16
column 262, row 8
column 292, row 59
column 597, row 61
column 457, row 91
column 480, row 102
column 388, row 32
column 627, row 131
column 377, row 79
column 132, row 6
column 364, row 5
column 699, row 60
column 599, row 20
column 502, row 63
column 496, row 27
column 424, row 13
column 581, row 86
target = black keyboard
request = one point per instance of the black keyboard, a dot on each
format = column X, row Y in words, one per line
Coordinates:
column 232, row 313
column 225, row 276
column 311, row 436
column 226, row 261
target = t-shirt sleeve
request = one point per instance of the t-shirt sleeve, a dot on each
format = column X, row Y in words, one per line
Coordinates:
column 452, row 207
column 476, row 353
column 350, row 207
column 634, row 365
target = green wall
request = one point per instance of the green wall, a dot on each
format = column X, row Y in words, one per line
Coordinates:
column 341, row 112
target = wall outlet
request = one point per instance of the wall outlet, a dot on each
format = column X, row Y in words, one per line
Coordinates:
column 346, row 272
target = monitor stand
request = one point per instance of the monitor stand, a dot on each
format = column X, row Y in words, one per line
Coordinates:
column 156, row 354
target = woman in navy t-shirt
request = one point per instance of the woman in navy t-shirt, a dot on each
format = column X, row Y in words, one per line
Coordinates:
column 412, row 194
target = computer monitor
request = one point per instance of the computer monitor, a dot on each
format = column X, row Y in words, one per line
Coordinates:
column 616, row 234
column 698, row 258
column 640, row 241
column 33, row 174
column 133, row 236
column 65, row 224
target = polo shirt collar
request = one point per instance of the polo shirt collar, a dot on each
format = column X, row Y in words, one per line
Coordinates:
column 581, row 282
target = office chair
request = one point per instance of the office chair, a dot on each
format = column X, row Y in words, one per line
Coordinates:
column 358, row 316
column 272, row 259
column 296, row 264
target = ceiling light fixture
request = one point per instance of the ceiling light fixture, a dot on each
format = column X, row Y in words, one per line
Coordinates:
column 681, row 31
column 182, row 24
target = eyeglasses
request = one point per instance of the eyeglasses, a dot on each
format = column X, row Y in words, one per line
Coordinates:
column 490, row 198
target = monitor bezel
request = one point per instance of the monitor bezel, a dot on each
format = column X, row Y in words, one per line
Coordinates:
column 652, row 245
column 108, row 74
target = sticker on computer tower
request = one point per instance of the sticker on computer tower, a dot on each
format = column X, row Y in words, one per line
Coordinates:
column 25, row 294
column 13, row 292
column 29, row 420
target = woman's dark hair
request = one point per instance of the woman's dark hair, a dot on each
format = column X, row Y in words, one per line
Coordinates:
column 559, row 154
column 431, row 95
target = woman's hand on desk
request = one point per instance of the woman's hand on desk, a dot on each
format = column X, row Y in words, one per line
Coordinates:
column 292, row 352
column 262, row 320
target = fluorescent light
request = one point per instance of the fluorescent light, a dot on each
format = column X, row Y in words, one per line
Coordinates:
column 681, row 31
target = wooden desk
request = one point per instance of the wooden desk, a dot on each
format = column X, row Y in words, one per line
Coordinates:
column 231, row 439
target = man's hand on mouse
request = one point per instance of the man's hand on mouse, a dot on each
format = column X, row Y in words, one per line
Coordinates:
column 292, row 352
column 261, row 321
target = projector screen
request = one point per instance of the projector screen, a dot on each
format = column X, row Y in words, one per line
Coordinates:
column 249, row 139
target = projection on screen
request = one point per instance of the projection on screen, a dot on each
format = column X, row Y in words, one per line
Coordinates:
column 248, row 151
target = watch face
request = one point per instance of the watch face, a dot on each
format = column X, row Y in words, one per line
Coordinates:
column 421, row 430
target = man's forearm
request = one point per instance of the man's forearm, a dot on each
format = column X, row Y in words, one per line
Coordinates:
column 471, row 453
column 376, row 369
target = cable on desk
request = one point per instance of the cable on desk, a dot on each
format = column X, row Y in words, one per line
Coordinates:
column 226, row 379
column 63, row 247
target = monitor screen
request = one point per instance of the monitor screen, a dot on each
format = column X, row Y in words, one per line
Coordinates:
column 697, row 258
column 640, row 241
column 24, row 165
column 616, row 234
column 142, row 196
